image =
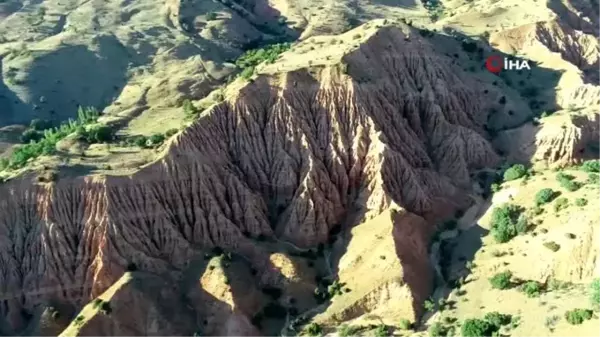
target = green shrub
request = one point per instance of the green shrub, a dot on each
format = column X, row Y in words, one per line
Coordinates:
column 501, row 280
column 591, row 166
column 495, row 187
column 250, row 59
column 504, row 222
column 171, row 132
column 39, row 124
column 346, row 330
column 515, row 172
column 139, row 140
column 382, row 331
column 405, row 324
column 31, row 135
column 595, row 293
column 428, row 305
column 531, row 288
column 436, row 330
column 47, row 144
column 544, row 196
column 593, row 178
column 474, row 327
column 97, row 303
column 560, row 204
column 578, row 316
column 156, row 139
column 314, row 329
column 570, row 185
column 553, row 246
column 522, row 224
column 99, row 134
column 211, row 16
column 189, row 109
column 581, row 202
column 497, row 319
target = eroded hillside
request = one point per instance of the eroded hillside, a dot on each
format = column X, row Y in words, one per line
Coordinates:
column 290, row 157
column 343, row 156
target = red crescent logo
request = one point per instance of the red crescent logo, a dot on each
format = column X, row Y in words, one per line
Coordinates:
column 494, row 63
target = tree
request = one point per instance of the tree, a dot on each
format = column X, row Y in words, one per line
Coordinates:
column 501, row 280
column 531, row 288
column 314, row 329
column 381, row 331
column 474, row 327
column 505, row 219
column 544, row 196
column 591, row 166
column 99, row 134
column 30, row 135
column 39, row 124
column 156, row 139
column 515, row 172
column 497, row 319
column 436, row 330
column 171, row 132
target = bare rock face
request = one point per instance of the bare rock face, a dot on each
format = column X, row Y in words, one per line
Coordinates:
column 559, row 141
column 291, row 156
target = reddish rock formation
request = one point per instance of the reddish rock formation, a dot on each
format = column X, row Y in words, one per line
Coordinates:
column 291, row 156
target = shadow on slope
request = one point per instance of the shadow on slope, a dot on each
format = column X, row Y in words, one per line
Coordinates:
column 60, row 81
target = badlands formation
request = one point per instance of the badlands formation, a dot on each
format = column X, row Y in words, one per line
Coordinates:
column 314, row 193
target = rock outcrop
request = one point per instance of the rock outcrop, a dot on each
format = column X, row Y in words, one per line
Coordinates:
column 290, row 157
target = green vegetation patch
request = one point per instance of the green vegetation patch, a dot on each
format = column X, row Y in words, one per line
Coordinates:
column 45, row 142
column 250, row 59
column 532, row 288
column 591, row 166
column 314, row 329
column 595, row 294
column 578, row 316
column 515, row 172
column 346, row 330
column 567, row 182
column 508, row 221
column 553, row 246
column 560, row 204
column 502, row 280
column 544, row 196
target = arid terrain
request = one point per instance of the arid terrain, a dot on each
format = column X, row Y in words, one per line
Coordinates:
column 342, row 168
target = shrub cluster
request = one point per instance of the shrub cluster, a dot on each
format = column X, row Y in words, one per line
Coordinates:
column 515, row 172
column 544, row 196
column 501, row 280
column 532, row 288
column 508, row 221
column 44, row 143
column 566, row 182
column 560, row 204
column 591, row 166
column 250, row 59
column 578, row 316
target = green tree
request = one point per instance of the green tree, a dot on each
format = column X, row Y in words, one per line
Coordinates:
column 437, row 330
column 515, row 172
column 474, row 327
column 156, row 139
column 31, row 135
column 405, row 324
column 531, row 288
column 382, row 331
column 501, row 280
column 99, row 134
column 39, row 124
column 591, row 166
column 581, row 202
column 497, row 319
column 544, row 196
column 314, row 329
